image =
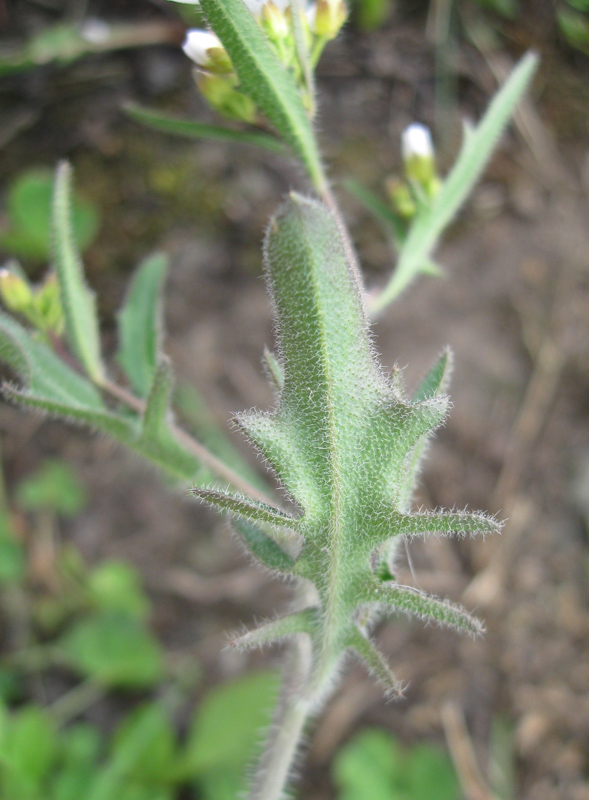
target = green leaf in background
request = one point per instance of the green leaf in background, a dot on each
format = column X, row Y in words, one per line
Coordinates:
column 140, row 324
column 265, row 79
column 374, row 766
column 27, row 230
column 227, row 724
column 55, row 486
column 502, row 767
column 134, row 743
column 476, row 150
column 368, row 768
column 199, row 130
column 114, row 650
column 28, row 751
column 154, row 764
column 116, row 586
column 430, row 774
column 505, row 8
column 12, row 556
column 79, row 752
column 79, row 304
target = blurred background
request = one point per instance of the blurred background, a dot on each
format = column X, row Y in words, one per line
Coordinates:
column 117, row 592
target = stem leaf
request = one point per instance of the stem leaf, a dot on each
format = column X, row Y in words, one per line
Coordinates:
column 79, row 304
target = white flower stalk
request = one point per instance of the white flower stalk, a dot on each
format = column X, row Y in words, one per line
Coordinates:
column 206, row 50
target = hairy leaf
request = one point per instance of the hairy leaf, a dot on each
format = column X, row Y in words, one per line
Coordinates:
column 477, row 148
column 265, row 79
column 199, row 130
column 140, row 324
column 77, row 300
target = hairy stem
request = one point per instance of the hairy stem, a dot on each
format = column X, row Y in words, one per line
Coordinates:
column 284, row 737
column 192, row 446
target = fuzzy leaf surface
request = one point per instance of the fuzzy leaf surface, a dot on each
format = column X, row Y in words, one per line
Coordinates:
column 78, row 301
column 340, row 440
column 265, row 79
column 140, row 324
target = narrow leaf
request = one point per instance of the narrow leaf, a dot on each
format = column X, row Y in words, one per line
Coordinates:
column 419, row 604
column 41, row 370
column 199, row 130
column 476, row 150
column 241, row 506
column 120, row 428
column 278, row 629
column 442, row 523
column 78, row 301
column 263, row 547
column 140, row 324
column 437, row 379
column 376, row 662
column 265, row 79
column 274, row 369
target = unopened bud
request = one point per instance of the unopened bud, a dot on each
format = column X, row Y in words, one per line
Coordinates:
column 15, row 291
column 206, row 50
column 221, row 92
column 274, row 21
column 418, row 157
column 47, row 304
column 326, row 17
column 401, row 198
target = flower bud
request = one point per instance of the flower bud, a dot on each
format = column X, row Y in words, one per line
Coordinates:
column 206, row 50
column 15, row 291
column 47, row 304
column 326, row 17
column 418, row 157
column 274, row 21
column 401, row 198
column 221, row 92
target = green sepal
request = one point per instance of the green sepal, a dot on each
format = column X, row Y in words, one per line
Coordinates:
column 375, row 661
column 79, row 304
column 263, row 548
column 394, row 597
column 276, row 630
column 140, row 324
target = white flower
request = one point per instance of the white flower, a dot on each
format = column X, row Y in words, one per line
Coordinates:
column 198, row 43
column 416, row 142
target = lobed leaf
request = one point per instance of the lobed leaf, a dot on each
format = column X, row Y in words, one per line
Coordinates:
column 263, row 548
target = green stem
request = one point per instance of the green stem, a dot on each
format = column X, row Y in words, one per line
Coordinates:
column 284, row 737
column 195, row 448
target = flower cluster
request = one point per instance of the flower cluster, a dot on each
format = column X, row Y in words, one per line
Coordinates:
column 321, row 21
column 421, row 182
